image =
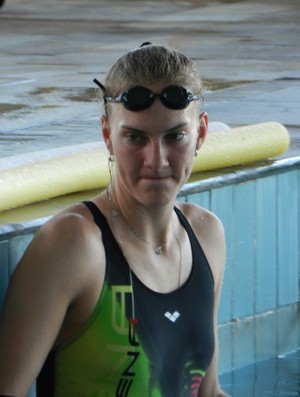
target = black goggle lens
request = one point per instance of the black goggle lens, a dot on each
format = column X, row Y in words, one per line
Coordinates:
column 175, row 97
column 139, row 98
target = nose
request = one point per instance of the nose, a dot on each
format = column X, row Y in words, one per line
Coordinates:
column 155, row 155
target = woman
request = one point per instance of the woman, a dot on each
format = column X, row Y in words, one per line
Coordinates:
column 123, row 290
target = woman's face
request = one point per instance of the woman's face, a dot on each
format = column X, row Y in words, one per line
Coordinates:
column 153, row 149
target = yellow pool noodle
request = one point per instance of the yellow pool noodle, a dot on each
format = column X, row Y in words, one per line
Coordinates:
column 43, row 175
column 242, row 145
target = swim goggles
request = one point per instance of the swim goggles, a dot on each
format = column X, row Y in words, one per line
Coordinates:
column 140, row 98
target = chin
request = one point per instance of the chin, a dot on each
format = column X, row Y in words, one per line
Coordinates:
column 158, row 199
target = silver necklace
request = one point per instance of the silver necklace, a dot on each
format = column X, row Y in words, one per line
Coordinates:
column 114, row 213
column 180, row 258
column 157, row 248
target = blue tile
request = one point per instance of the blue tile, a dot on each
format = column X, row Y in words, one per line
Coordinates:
column 278, row 376
column 265, row 328
column 221, row 205
column 287, row 328
column 265, row 245
column 243, row 342
column 242, row 250
column 244, row 382
column 32, row 392
column 287, row 231
column 225, row 347
column 182, row 199
column 298, row 207
column 17, row 247
column 226, row 381
column 202, row 199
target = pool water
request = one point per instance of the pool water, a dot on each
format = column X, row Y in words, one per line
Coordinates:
column 278, row 376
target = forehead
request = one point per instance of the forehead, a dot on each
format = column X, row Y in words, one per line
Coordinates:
column 155, row 119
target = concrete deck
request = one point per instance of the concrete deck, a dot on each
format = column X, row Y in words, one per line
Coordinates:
column 50, row 51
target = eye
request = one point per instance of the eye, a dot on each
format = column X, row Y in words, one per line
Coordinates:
column 135, row 138
column 176, row 136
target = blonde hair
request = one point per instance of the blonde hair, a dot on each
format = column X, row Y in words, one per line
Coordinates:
column 152, row 64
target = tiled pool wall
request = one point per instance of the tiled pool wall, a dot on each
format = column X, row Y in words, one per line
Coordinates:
column 278, row 376
column 259, row 207
column 259, row 308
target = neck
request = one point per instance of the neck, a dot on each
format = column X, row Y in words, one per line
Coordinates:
column 154, row 225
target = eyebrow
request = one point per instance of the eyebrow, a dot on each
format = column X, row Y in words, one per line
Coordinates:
column 128, row 127
column 175, row 128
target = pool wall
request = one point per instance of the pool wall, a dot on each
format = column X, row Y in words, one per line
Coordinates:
column 260, row 209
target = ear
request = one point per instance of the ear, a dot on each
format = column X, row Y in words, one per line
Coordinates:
column 202, row 129
column 106, row 133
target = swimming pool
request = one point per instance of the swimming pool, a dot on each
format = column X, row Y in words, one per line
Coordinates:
column 279, row 376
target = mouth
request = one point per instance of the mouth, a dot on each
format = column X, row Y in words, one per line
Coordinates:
column 156, row 177
column 155, row 174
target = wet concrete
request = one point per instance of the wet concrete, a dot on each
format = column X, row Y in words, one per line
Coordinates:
column 50, row 51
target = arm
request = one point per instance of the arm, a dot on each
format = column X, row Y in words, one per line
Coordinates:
column 42, row 291
column 210, row 386
column 212, row 239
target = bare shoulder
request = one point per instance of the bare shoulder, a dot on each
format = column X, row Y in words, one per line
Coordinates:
column 202, row 220
column 68, row 244
column 72, row 221
column 67, row 233
column 210, row 233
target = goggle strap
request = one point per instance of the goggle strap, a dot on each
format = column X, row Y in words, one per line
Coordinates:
column 194, row 97
column 100, row 85
column 118, row 99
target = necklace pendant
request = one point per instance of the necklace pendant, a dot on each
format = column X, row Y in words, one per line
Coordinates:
column 158, row 250
column 114, row 213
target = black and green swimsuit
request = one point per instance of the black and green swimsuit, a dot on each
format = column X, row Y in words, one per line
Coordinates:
column 161, row 347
